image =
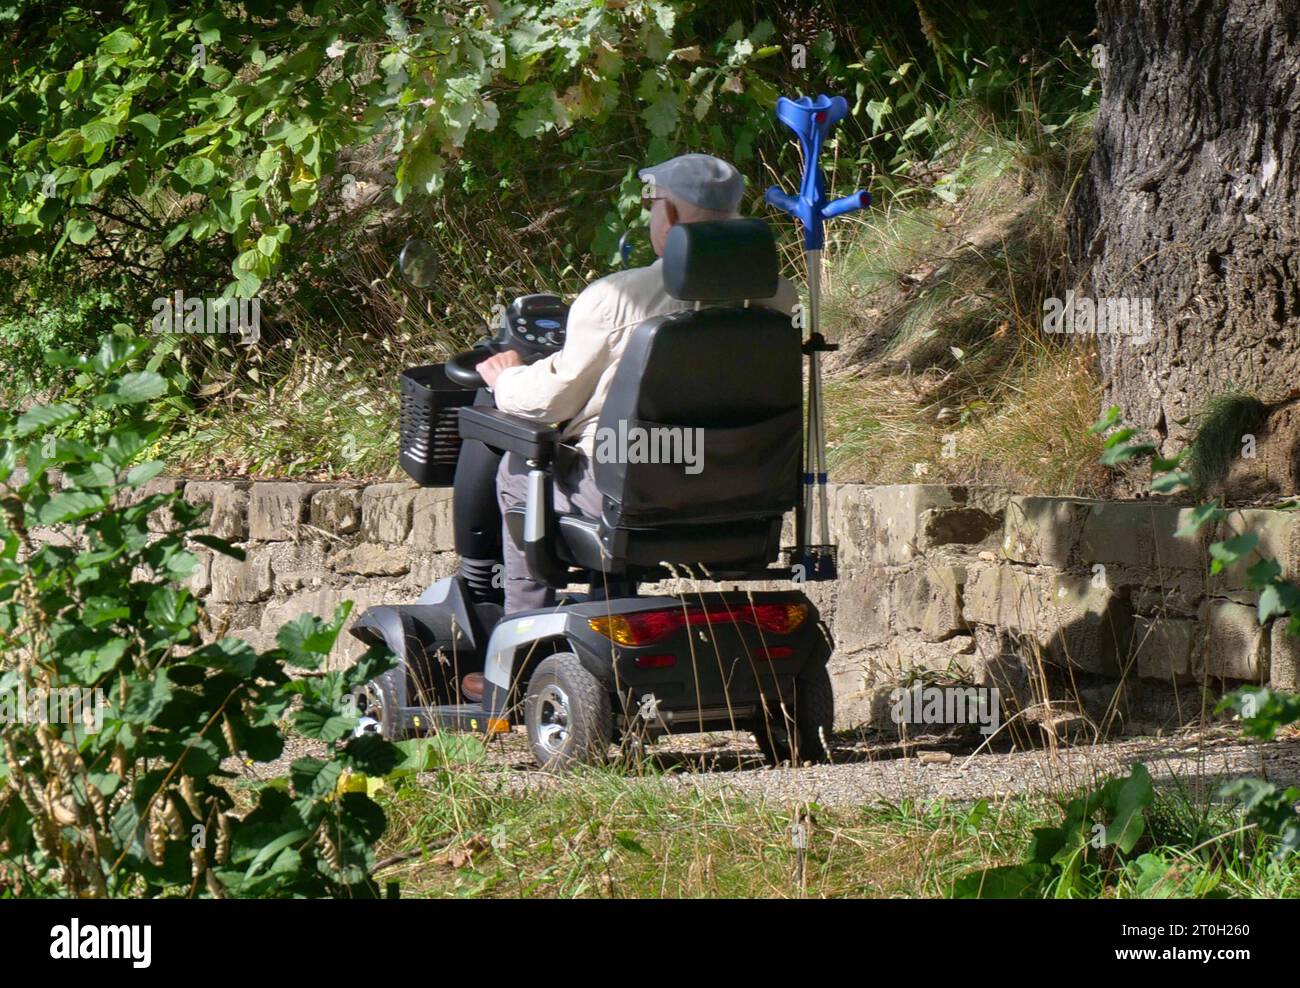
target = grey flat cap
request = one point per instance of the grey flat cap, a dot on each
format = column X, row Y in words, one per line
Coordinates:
column 699, row 179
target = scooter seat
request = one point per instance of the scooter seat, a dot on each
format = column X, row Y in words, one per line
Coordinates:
column 577, row 538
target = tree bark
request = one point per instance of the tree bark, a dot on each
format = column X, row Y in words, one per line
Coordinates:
column 1192, row 199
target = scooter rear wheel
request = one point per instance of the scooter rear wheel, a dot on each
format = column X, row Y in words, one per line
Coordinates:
column 800, row 733
column 568, row 714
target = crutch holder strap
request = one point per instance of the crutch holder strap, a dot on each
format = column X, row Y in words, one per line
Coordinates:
column 816, row 343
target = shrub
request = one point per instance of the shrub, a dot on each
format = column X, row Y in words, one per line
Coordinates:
column 122, row 785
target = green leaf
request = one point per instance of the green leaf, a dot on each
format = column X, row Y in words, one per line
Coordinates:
column 69, row 506
column 627, row 840
column 147, row 699
column 147, row 122
column 92, row 475
column 370, row 754
column 1167, row 482
column 306, row 638
column 1107, row 421
column 1201, row 515
column 133, row 388
column 1232, row 550
column 144, row 473
column 101, row 610
column 1134, row 794
column 119, row 42
column 315, row 777
column 171, row 609
column 323, row 723
column 81, row 231
column 1024, row 881
column 99, row 131
column 90, row 665
column 196, row 171
column 662, row 115
column 44, row 416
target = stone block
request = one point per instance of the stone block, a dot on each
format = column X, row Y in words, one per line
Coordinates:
column 1233, row 644
column 928, row 599
column 277, row 510
column 369, row 559
column 235, row 581
column 1044, row 530
column 1283, row 658
column 386, row 512
column 862, row 609
column 337, row 510
column 1142, row 536
column 432, row 525
column 1165, row 648
column 227, row 516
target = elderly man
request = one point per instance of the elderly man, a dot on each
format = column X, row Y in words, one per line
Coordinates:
column 570, row 386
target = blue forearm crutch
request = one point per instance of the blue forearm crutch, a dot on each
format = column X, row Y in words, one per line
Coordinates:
column 811, row 120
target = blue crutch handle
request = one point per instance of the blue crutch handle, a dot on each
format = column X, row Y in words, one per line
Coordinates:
column 859, row 200
column 811, row 120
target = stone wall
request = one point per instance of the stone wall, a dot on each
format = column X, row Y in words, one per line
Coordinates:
column 1099, row 607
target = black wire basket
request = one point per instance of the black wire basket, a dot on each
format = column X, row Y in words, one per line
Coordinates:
column 430, row 427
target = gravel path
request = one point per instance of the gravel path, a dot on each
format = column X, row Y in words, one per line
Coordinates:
column 868, row 772
column 927, row 768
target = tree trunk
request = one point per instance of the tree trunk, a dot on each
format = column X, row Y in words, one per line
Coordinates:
column 1192, row 199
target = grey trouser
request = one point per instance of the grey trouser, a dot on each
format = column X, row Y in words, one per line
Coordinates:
column 574, row 493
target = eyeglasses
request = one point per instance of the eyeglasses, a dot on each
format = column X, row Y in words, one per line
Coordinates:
column 648, row 202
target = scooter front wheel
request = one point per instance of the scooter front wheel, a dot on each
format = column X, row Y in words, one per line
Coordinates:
column 377, row 705
column 568, row 714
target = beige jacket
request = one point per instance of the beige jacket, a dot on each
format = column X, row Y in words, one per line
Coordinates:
column 570, row 386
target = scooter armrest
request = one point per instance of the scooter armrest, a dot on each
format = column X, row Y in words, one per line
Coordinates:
column 531, row 440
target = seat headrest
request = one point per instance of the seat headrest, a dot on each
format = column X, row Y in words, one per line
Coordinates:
column 721, row 260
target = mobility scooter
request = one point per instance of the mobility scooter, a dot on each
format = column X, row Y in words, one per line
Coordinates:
column 611, row 663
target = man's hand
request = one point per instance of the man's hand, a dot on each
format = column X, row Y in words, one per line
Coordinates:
column 491, row 368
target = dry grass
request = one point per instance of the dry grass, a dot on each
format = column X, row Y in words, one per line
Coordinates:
column 944, row 372
column 600, row 834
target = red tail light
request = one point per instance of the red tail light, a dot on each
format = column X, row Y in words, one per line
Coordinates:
column 649, row 627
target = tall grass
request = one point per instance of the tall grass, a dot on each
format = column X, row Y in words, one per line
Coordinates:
column 945, row 373
column 601, row 833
